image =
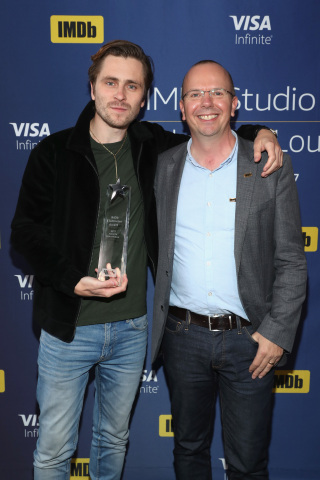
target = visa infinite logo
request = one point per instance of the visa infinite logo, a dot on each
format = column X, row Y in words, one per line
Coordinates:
column 255, row 22
column 250, row 30
column 30, row 129
column 26, row 130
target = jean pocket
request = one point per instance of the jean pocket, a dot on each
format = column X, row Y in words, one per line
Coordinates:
column 249, row 331
column 139, row 323
column 173, row 324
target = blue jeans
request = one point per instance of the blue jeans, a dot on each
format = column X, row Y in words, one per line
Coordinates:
column 198, row 363
column 117, row 350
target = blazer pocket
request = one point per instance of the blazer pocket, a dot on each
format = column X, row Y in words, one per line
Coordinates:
column 260, row 207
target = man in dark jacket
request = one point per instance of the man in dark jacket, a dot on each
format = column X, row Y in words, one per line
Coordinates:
column 57, row 227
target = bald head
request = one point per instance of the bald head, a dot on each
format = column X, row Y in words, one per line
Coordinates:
column 197, row 69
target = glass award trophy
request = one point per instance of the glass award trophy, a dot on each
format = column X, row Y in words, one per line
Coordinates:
column 115, row 229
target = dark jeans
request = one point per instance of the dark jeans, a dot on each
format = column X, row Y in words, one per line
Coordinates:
column 198, row 363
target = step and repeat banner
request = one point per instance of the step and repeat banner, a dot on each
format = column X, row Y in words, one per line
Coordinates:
column 272, row 52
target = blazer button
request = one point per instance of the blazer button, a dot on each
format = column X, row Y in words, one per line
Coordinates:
column 167, row 273
column 162, row 307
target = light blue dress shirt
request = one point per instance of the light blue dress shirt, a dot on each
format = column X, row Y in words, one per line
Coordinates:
column 204, row 271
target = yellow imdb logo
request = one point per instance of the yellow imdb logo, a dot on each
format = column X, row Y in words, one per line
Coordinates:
column 310, row 238
column 2, row 382
column 291, row 381
column 165, row 426
column 80, row 469
column 76, row 29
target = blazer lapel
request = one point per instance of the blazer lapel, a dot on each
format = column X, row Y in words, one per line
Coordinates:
column 174, row 172
column 246, row 176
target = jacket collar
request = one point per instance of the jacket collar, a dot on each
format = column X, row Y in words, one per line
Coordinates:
column 139, row 132
column 79, row 139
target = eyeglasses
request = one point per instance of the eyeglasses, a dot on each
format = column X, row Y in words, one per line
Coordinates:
column 213, row 93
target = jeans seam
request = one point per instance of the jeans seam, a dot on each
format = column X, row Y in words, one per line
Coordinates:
column 104, row 347
column 99, row 422
column 222, row 353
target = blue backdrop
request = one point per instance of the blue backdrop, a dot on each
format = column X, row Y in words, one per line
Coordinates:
column 272, row 51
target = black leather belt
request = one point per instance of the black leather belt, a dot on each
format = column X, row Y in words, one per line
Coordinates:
column 212, row 322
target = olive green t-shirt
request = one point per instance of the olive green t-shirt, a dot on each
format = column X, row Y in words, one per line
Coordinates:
column 132, row 302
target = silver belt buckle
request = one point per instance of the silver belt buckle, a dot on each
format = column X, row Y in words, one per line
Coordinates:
column 210, row 327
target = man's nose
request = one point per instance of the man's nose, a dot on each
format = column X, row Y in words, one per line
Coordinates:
column 207, row 99
column 120, row 93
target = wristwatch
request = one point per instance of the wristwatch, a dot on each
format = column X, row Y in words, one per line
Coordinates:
column 260, row 127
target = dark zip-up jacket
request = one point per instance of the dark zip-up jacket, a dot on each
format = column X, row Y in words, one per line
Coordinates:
column 56, row 216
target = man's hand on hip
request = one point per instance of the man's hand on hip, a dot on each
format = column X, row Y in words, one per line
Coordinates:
column 268, row 355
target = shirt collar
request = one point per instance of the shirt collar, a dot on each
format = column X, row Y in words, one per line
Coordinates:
column 228, row 160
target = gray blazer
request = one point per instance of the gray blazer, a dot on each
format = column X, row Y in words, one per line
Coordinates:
column 268, row 246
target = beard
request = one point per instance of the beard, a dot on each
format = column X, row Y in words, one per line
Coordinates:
column 114, row 119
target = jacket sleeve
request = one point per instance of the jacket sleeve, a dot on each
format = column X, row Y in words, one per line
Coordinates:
column 248, row 132
column 167, row 140
column 289, row 287
column 32, row 223
column 164, row 139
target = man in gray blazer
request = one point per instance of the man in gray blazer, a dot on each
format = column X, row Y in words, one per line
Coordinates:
column 230, row 284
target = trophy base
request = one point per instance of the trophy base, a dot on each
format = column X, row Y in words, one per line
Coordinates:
column 107, row 273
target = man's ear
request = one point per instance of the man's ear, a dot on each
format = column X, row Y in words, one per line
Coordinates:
column 234, row 106
column 181, row 104
column 92, row 91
